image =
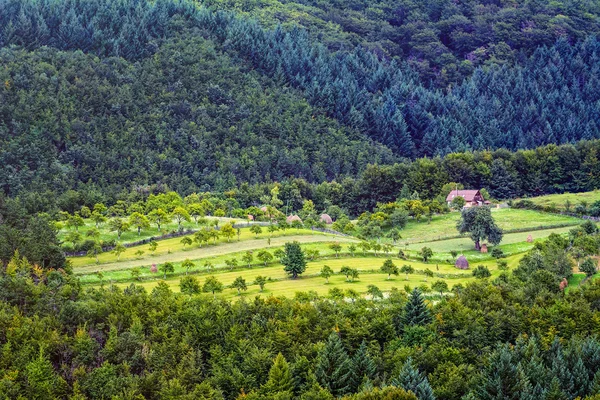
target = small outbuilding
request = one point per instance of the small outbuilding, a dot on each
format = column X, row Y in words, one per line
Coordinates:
column 153, row 269
column 293, row 218
column 529, row 239
column 461, row 262
column 484, row 248
column 326, row 218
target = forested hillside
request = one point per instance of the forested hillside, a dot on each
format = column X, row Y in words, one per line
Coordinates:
column 545, row 95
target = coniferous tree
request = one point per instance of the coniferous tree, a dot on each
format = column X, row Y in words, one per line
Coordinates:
column 363, row 367
column 334, row 368
column 416, row 311
column 411, row 379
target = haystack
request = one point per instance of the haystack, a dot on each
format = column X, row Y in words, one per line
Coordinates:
column 326, row 218
column 462, row 263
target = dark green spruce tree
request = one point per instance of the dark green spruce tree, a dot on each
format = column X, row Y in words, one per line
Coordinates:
column 363, row 367
column 411, row 379
column 416, row 311
column 334, row 367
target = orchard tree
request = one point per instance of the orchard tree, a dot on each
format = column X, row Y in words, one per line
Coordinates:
column 407, row 269
column 256, row 229
column 479, row 223
column 98, row 218
column 186, row 241
column 166, row 268
column 139, row 221
column 440, row 286
column 481, row 272
column 326, row 272
column 180, row 214
column 118, row 225
column 187, row 264
column 152, row 246
column 189, row 285
column 293, row 259
column 212, row 285
column 196, row 211
column 389, row 268
column 352, row 249
column 374, row 291
column 336, row 247
column 426, row 253
column 428, row 274
column 248, row 257
column 264, row 256
column 261, row 281
column 118, row 250
column 159, row 217
column 75, row 221
column 227, row 231
column 240, row 284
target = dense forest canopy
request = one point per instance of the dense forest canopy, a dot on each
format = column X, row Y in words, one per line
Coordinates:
column 548, row 95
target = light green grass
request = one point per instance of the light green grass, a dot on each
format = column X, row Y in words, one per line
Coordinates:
column 444, row 226
column 282, row 285
column 512, row 243
column 559, row 199
column 173, row 250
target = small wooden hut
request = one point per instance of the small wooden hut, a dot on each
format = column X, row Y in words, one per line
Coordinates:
column 484, row 248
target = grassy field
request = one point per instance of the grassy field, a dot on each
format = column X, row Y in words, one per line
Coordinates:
column 173, row 250
column 559, row 199
column 440, row 235
column 444, row 226
column 368, row 267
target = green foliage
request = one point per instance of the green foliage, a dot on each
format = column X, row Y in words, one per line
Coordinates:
column 189, row 285
column 589, row 267
column 426, row 253
column 479, row 224
column 481, row 272
column 293, row 260
column 240, row 284
column 212, row 285
column 389, row 268
column 333, row 368
column 415, row 311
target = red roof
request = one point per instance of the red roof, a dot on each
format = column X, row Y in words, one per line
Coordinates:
column 468, row 195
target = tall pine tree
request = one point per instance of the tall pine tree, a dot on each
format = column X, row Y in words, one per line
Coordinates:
column 334, row 367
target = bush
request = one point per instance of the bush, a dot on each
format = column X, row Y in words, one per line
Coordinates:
column 481, row 272
column 497, row 252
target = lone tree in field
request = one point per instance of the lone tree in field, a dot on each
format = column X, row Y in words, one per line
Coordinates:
column 389, row 268
column 212, row 285
column 118, row 225
column 293, row 259
column 159, row 217
column 479, row 223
